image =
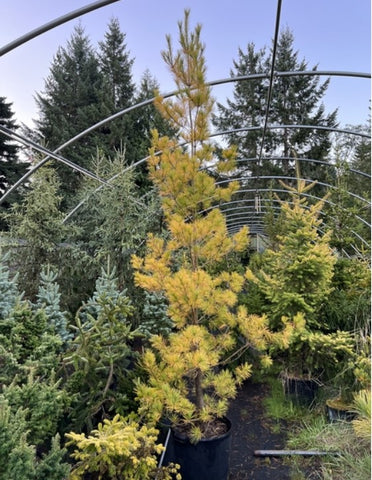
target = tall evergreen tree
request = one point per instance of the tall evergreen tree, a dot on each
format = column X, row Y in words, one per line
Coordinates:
column 70, row 103
column 361, row 161
column 117, row 90
column 11, row 167
column 295, row 101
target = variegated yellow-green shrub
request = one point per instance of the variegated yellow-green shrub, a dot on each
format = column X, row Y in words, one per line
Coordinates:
column 188, row 379
column 120, row 448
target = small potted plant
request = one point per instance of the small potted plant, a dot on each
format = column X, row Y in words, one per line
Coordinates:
column 188, row 379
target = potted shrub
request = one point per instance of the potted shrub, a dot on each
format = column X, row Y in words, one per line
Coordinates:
column 314, row 355
column 120, row 448
column 189, row 382
column 295, row 279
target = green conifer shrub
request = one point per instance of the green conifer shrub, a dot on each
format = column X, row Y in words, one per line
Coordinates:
column 100, row 360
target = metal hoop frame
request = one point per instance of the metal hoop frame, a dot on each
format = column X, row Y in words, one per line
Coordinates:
column 270, row 76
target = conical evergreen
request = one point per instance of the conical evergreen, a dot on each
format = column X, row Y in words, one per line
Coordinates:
column 70, row 103
column 117, row 91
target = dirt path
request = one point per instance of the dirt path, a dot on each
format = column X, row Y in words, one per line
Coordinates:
column 253, row 431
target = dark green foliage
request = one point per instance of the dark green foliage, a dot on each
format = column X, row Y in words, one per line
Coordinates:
column 11, row 167
column 361, row 161
column 145, row 119
column 348, row 215
column 349, row 304
column 27, row 332
column 295, row 101
column 18, row 457
column 52, row 465
column 70, row 103
column 117, row 92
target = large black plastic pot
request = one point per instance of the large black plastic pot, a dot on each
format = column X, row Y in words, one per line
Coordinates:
column 301, row 391
column 206, row 460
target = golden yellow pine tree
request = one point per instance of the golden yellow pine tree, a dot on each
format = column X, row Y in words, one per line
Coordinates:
column 187, row 378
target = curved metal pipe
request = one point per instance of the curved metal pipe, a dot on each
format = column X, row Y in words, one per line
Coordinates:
column 271, row 78
column 236, row 226
column 301, row 159
column 170, row 94
column 54, row 23
column 309, row 127
column 278, row 190
column 281, row 177
column 30, row 143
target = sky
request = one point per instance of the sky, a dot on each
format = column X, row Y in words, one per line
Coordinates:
column 332, row 34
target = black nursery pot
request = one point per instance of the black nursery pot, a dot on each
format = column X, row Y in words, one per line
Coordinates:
column 337, row 413
column 302, row 391
column 206, row 460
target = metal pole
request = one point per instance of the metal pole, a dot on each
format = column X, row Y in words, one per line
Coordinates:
column 54, row 23
column 303, row 453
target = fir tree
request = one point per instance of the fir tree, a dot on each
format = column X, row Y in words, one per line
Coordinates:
column 154, row 318
column 70, row 103
column 18, row 457
column 100, row 354
column 145, row 119
column 295, row 277
column 37, row 231
column 114, row 221
column 117, row 91
column 44, row 402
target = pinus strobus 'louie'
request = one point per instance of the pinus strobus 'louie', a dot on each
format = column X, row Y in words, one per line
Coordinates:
column 187, row 376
